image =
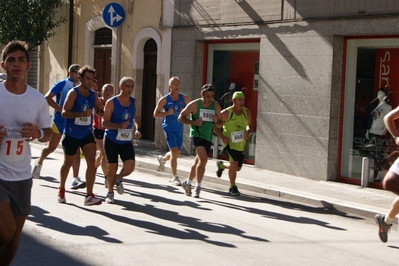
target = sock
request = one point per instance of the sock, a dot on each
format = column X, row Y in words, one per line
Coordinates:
column 388, row 220
column 198, row 184
column 188, row 181
column 174, row 176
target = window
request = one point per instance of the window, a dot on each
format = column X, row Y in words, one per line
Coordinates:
column 103, row 36
column 371, row 86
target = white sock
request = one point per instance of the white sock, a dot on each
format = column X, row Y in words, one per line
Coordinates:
column 188, row 181
column 388, row 220
column 198, row 184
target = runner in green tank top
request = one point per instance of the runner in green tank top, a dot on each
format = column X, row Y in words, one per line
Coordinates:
column 236, row 123
column 204, row 113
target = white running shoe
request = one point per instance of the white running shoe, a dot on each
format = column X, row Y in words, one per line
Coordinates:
column 119, row 186
column 36, row 170
column 187, row 188
column 92, row 200
column 176, row 181
column 197, row 192
column 161, row 166
column 61, row 195
column 110, row 197
column 77, row 183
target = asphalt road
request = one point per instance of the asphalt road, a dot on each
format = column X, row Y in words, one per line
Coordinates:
column 154, row 223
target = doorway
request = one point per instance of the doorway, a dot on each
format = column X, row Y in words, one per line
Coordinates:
column 149, row 90
column 102, row 65
column 102, row 55
column 234, row 66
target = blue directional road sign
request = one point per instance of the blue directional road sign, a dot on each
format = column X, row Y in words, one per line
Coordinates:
column 113, row 14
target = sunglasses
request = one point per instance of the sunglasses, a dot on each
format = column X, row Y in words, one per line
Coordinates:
column 208, row 87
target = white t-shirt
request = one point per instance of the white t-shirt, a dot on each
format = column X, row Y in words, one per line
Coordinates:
column 15, row 110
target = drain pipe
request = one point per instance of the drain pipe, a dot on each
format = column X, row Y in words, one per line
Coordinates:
column 70, row 37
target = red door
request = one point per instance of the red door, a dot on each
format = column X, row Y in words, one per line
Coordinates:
column 242, row 72
column 102, row 65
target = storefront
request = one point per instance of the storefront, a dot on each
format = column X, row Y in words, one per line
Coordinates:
column 232, row 66
column 370, row 91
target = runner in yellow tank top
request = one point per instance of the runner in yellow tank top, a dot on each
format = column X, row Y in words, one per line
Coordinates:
column 236, row 129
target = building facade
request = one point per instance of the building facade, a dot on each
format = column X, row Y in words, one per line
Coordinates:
column 139, row 47
column 312, row 70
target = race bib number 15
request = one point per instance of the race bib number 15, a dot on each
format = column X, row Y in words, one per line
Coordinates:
column 12, row 149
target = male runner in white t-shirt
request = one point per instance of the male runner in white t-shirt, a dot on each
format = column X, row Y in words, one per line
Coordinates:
column 24, row 116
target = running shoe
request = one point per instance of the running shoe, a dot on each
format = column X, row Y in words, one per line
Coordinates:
column 187, row 188
column 234, row 191
column 176, row 181
column 161, row 166
column 383, row 228
column 119, row 186
column 92, row 200
column 220, row 166
column 197, row 192
column 77, row 183
column 36, row 170
column 110, row 197
column 61, row 195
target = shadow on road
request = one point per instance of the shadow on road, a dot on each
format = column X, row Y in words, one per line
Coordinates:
column 235, row 205
column 42, row 218
column 33, row 252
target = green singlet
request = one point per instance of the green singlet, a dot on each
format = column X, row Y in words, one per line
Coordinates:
column 234, row 129
column 206, row 130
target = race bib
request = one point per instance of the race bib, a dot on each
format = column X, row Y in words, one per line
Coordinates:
column 12, row 149
column 124, row 134
column 206, row 114
column 82, row 121
column 237, row 137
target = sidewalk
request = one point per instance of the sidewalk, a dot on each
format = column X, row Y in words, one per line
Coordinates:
column 366, row 202
column 343, row 197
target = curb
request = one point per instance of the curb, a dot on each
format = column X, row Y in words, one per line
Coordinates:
column 274, row 192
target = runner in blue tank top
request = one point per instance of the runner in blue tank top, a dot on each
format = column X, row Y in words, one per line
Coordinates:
column 120, row 113
column 80, row 127
column 78, row 112
column 168, row 108
column 59, row 92
column 170, row 122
